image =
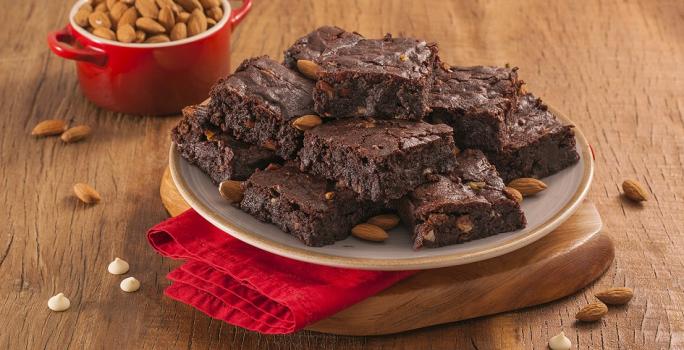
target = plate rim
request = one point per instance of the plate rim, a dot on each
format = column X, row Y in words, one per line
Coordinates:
column 384, row 264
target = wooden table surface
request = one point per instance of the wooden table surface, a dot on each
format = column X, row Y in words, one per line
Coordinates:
column 614, row 66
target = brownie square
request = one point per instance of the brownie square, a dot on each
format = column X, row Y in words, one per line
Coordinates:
column 385, row 78
column 215, row 152
column 379, row 159
column 536, row 143
column 258, row 102
column 309, row 208
column 475, row 102
column 326, row 39
column 466, row 204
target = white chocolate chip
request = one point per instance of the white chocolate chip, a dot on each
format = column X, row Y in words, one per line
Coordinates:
column 59, row 302
column 118, row 267
column 560, row 342
column 130, row 284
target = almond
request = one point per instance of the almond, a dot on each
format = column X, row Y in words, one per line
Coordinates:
column 179, row 31
column 308, row 68
column 592, row 312
column 477, row 185
column 117, row 11
column 110, row 4
column 86, row 193
column 327, row 88
column 49, row 127
column 209, row 134
column 87, row 7
column 81, row 16
column 272, row 166
column 147, row 8
column 269, row 144
column 208, row 4
column 197, row 23
column 102, row 7
column 149, row 25
column 634, row 191
column 128, row 17
column 384, row 221
column 464, row 223
column 77, row 133
column 369, row 232
column 216, row 13
column 159, row 38
column 190, row 5
column 210, row 22
column 527, row 186
column 183, row 17
column 125, row 33
column 513, row 194
column 162, row 3
column 307, row 122
column 166, row 18
column 616, row 296
column 231, row 191
column 99, row 19
column 140, row 36
column 104, row 33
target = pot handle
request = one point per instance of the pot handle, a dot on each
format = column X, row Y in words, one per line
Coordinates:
column 61, row 42
column 237, row 15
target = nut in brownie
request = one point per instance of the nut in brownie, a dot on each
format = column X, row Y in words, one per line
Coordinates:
column 475, row 102
column 323, row 40
column 312, row 209
column 258, row 103
column 215, row 152
column 468, row 203
column 383, row 78
column 536, row 143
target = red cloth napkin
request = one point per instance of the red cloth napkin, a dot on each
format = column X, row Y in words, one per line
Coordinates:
column 232, row 281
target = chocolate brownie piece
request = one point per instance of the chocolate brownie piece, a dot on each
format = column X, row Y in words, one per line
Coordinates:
column 258, row 102
column 465, row 205
column 474, row 101
column 379, row 159
column 325, row 39
column 386, row 78
column 217, row 153
column 309, row 208
column 536, row 143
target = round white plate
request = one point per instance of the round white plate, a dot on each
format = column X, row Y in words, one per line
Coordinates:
column 544, row 212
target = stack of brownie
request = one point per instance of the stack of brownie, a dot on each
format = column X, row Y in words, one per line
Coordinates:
column 392, row 120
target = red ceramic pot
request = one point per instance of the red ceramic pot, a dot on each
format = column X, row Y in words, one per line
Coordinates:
column 148, row 78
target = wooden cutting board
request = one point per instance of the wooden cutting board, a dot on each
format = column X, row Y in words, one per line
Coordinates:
column 561, row 263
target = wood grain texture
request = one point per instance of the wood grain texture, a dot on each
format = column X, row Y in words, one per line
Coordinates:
column 614, row 66
column 561, row 263
column 564, row 261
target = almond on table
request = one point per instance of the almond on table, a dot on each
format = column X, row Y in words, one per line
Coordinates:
column 49, row 127
column 86, row 193
column 76, row 133
column 615, row 296
column 634, row 191
column 592, row 312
